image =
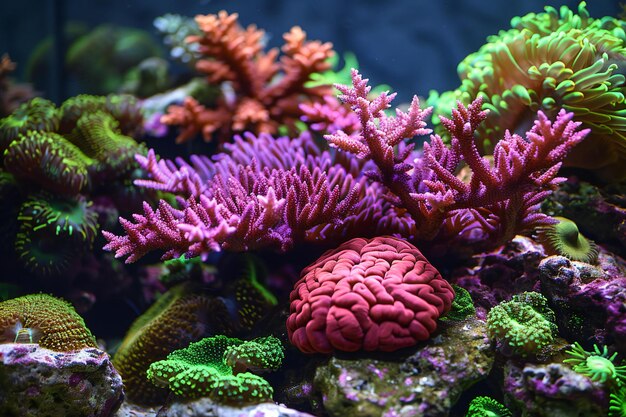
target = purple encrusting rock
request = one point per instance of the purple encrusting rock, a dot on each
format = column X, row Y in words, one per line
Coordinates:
column 552, row 390
column 204, row 407
column 39, row 382
column 498, row 274
column 589, row 301
column 425, row 383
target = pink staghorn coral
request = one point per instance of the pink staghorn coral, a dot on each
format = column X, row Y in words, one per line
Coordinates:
column 262, row 193
column 376, row 294
column 501, row 196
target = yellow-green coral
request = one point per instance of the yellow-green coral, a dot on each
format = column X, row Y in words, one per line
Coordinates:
column 550, row 61
column 525, row 324
column 49, row 161
column 204, row 369
column 564, row 238
column 36, row 114
column 98, row 136
column 49, row 321
column 180, row 316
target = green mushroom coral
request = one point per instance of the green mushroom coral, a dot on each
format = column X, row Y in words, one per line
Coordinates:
column 525, row 324
column 208, row 369
column 487, row 407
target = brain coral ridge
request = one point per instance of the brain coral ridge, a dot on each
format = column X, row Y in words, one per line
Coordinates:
column 367, row 294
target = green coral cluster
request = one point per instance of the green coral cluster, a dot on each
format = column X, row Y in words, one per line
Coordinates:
column 182, row 315
column 487, row 407
column 208, row 368
column 462, row 305
column 525, row 324
column 548, row 61
column 600, row 366
column 54, row 161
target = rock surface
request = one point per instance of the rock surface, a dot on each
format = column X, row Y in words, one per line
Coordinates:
column 204, row 407
column 426, row 383
column 39, row 382
column 553, row 390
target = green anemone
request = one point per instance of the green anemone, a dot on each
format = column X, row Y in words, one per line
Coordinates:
column 564, row 238
column 597, row 365
column 550, row 61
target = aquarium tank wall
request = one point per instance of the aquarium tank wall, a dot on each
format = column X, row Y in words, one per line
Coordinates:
column 271, row 208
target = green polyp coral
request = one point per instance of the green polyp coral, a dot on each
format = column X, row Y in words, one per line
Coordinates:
column 617, row 403
column 263, row 353
column 598, row 365
column 203, row 369
column 124, row 108
column 550, row 61
column 180, row 316
column 462, row 305
column 53, row 231
column 252, row 298
column 48, row 160
column 99, row 137
column 487, row 407
column 70, row 217
column 36, row 114
column 564, row 238
column 525, row 324
column 43, row 319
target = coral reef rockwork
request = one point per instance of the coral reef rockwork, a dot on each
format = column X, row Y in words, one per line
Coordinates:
column 36, row 381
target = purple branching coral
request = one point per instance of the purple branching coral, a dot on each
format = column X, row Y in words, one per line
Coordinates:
column 501, row 196
column 260, row 193
column 266, row 193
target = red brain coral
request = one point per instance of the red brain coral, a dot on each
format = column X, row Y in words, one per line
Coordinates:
column 370, row 294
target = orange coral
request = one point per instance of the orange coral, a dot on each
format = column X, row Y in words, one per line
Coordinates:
column 266, row 90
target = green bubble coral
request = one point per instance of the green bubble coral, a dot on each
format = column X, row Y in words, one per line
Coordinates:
column 36, row 114
column 487, row 407
column 49, row 161
column 564, row 238
column 43, row 319
column 525, row 324
column 182, row 315
column 549, row 61
column 597, row 365
column 204, row 369
column 462, row 305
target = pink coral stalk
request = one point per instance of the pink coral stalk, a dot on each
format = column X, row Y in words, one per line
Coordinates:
column 500, row 197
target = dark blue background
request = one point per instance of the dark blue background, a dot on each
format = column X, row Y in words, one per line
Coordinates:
column 412, row 45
